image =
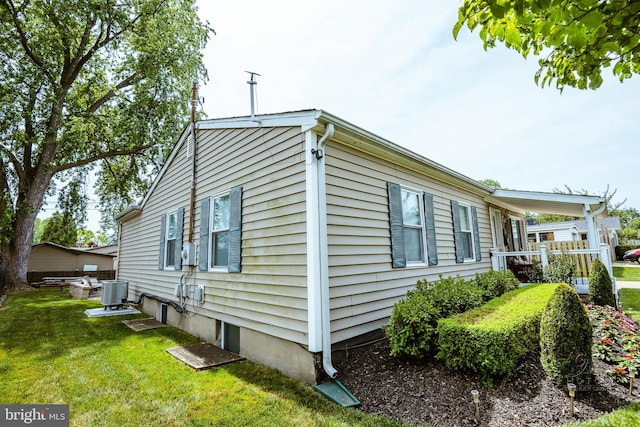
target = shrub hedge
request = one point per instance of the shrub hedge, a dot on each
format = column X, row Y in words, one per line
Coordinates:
column 412, row 327
column 566, row 338
column 600, row 286
column 492, row 339
column 493, row 283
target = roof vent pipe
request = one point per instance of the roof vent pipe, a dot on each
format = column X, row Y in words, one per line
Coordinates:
column 252, row 90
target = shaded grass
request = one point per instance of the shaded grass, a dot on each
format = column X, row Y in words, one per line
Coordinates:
column 50, row 352
column 627, row 416
column 630, row 300
column 627, row 273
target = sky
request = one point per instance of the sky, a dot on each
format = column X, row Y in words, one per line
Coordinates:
column 394, row 69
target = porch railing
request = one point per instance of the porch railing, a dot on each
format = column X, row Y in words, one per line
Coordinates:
column 523, row 260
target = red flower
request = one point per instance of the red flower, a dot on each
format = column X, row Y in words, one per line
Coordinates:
column 606, row 340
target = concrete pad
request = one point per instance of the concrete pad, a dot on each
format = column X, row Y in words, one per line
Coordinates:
column 144, row 324
column 203, row 356
column 102, row 312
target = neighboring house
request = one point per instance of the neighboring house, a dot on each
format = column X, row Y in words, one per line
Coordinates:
column 50, row 259
column 575, row 230
column 293, row 233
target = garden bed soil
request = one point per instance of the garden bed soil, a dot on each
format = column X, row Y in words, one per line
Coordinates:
column 425, row 392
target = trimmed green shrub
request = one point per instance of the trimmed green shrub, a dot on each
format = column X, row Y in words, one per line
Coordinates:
column 566, row 338
column 450, row 295
column 491, row 340
column 600, row 286
column 412, row 326
column 493, row 283
column 561, row 269
column 411, row 329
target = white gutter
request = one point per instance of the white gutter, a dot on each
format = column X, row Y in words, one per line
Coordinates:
column 318, row 251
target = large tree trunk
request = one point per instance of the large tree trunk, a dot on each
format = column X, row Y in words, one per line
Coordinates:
column 15, row 253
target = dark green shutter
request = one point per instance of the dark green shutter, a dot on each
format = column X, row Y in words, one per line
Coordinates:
column 235, row 230
column 430, row 225
column 457, row 234
column 398, row 259
column 476, row 234
column 178, row 248
column 163, row 233
column 203, row 255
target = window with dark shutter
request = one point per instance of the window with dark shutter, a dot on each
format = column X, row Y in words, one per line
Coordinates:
column 430, row 228
column 398, row 259
column 170, row 247
column 203, row 242
column 465, row 232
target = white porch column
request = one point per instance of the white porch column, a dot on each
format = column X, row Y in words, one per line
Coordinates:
column 495, row 262
column 592, row 232
column 544, row 258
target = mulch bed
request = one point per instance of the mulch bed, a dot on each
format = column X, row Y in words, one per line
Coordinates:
column 425, row 392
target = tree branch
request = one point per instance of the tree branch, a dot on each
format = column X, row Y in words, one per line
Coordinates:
column 109, row 95
column 134, row 150
column 23, row 39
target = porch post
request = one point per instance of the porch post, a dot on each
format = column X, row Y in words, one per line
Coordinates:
column 605, row 257
column 495, row 263
column 592, row 233
column 544, row 259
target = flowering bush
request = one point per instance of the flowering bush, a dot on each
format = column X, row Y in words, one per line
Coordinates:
column 615, row 341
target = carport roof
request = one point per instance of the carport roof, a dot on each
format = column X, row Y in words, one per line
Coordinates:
column 540, row 202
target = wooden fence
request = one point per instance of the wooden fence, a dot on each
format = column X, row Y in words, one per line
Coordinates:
column 36, row 276
column 583, row 261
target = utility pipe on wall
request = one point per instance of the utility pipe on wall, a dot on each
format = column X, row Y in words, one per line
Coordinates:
column 192, row 195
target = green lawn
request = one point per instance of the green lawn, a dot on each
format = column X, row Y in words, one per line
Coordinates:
column 50, row 352
column 627, row 273
column 630, row 301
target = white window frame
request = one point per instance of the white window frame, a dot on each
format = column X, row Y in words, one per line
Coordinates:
column 496, row 229
column 214, row 232
column 469, row 231
column 168, row 238
column 422, row 227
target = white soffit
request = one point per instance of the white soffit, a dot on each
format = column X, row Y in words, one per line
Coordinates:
column 539, row 202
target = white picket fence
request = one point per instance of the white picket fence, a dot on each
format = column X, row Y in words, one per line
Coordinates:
column 524, row 259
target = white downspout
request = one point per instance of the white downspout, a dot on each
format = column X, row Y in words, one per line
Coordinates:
column 325, row 301
column 592, row 234
column 318, row 252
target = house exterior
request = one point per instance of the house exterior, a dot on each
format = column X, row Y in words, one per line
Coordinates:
column 283, row 236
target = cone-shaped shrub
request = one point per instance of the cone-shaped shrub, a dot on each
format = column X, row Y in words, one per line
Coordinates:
column 565, row 338
column 600, row 288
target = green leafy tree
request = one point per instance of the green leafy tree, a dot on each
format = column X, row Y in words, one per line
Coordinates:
column 83, row 85
column 60, row 229
column 490, row 183
column 574, row 40
column 37, row 230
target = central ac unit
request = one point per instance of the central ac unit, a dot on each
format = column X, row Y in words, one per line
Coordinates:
column 114, row 293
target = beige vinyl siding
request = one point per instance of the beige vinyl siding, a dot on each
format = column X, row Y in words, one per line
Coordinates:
column 270, row 293
column 363, row 286
column 140, row 236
